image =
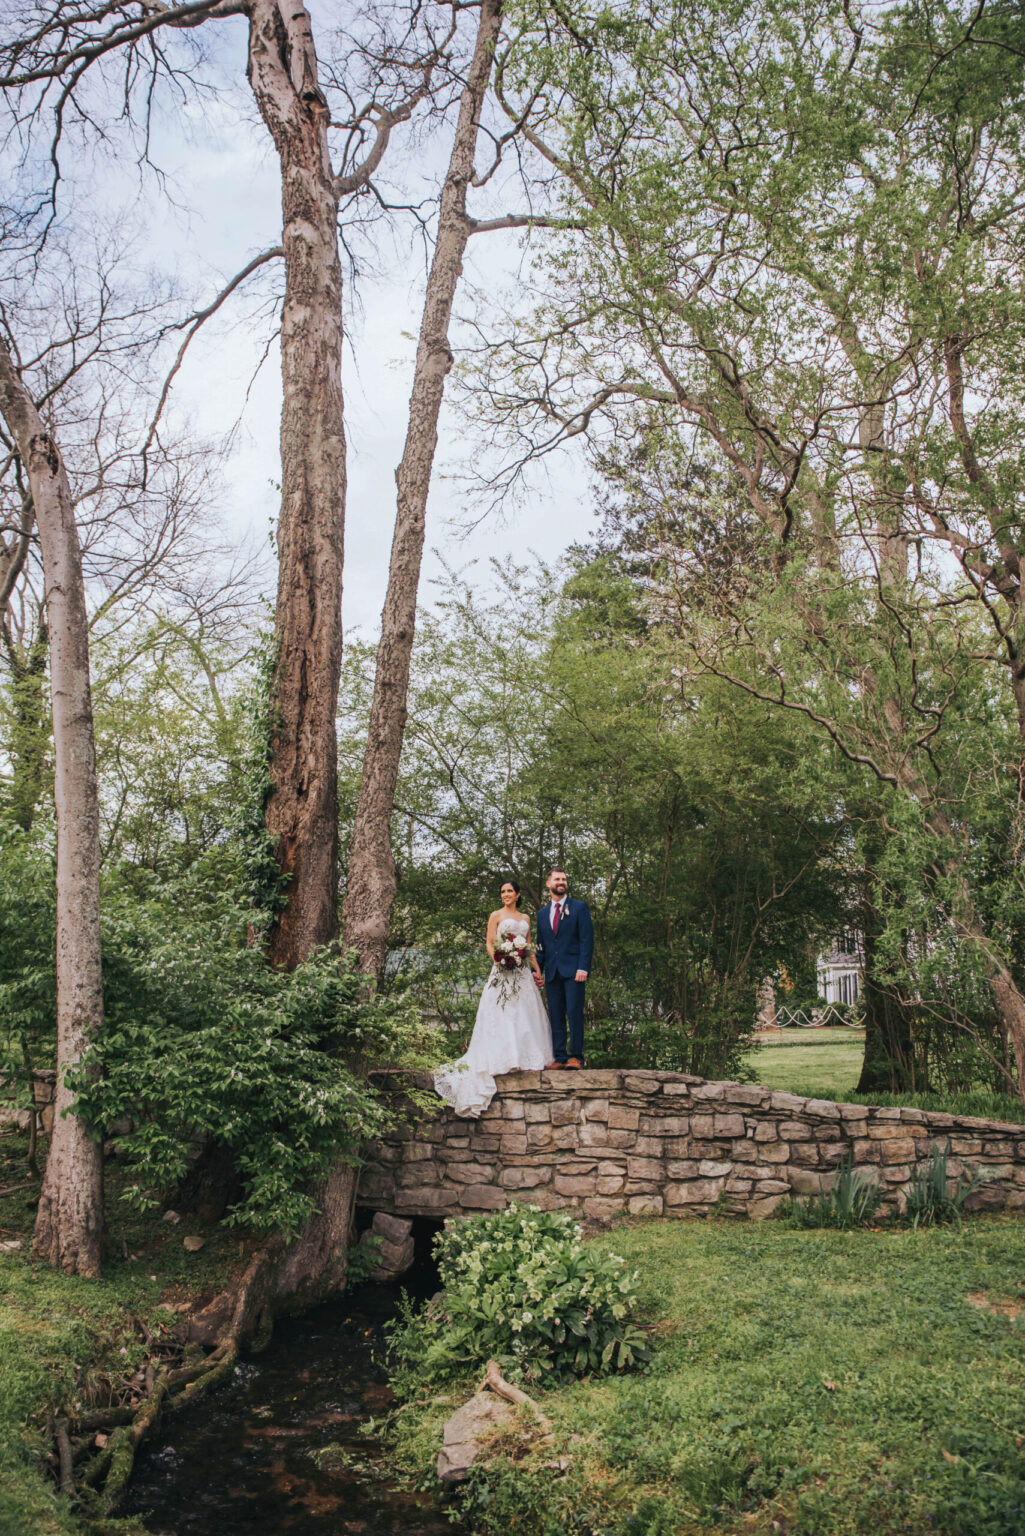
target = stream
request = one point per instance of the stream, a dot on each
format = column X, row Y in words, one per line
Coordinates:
column 284, row 1445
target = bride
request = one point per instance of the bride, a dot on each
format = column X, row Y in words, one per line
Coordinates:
column 512, row 1032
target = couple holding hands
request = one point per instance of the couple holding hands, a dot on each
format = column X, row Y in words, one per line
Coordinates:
column 513, row 1031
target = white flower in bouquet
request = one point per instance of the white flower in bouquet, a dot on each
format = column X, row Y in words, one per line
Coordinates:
column 511, row 953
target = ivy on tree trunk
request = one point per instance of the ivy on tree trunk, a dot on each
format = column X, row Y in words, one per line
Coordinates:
column 302, row 810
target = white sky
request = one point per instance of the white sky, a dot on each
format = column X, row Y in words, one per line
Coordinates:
column 224, row 177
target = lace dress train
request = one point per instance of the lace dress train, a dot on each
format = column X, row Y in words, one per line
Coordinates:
column 511, row 1034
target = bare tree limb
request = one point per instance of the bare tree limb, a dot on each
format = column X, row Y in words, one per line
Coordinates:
column 193, row 323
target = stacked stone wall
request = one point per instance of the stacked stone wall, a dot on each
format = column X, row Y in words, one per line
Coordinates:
column 665, row 1144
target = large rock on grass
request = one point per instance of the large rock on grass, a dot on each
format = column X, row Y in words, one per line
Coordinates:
column 468, row 1431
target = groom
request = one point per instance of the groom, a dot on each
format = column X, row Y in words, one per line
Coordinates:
column 565, row 948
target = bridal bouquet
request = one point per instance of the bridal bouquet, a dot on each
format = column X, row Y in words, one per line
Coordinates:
column 512, row 951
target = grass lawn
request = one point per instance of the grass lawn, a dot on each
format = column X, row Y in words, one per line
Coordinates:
column 810, row 1383
column 65, row 1341
column 826, row 1064
column 822, row 1063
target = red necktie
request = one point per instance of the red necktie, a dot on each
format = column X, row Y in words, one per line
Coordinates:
column 556, row 911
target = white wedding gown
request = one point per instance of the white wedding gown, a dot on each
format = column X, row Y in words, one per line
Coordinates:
column 511, row 1034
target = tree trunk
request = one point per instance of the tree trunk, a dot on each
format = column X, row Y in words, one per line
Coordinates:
column 370, row 889
column 302, row 812
column 886, row 1065
column 69, row 1223
column 287, row 1277
column 1010, row 1006
column 889, row 1045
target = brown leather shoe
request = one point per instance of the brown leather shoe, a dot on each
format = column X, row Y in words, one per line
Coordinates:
column 555, row 1066
column 573, row 1062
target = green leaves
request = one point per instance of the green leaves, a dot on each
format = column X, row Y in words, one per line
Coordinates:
column 851, row 1201
column 520, row 1286
column 203, row 1041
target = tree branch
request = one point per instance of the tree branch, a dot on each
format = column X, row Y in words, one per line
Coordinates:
column 523, row 221
column 194, row 324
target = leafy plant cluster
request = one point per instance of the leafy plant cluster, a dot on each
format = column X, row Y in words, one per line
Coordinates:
column 206, row 1044
column 521, row 1287
column 933, row 1198
column 852, row 1201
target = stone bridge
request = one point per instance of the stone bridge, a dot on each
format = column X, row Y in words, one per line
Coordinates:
column 604, row 1143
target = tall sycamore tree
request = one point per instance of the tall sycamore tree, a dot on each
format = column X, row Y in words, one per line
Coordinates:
column 69, row 1223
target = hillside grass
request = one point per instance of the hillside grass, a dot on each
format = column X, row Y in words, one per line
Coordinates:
column 826, row 1064
column 65, row 1341
column 809, row 1383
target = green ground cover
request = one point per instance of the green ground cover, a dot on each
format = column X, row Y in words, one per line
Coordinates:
column 826, row 1064
column 65, row 1341
column 803, row 1383
column 809, row 1383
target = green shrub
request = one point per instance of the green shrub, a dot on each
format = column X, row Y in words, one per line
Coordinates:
column 204, row 1043
column 852, row 1202
column 930, row 1199
column 521, row 1287
column 250, row 1058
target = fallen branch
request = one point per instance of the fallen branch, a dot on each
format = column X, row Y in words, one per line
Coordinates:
column 105, row 1418
column 63, row 1439
column 494, row 1379
column 209, row 1378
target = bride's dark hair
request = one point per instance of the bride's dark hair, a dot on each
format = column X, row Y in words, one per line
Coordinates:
column 509, row 881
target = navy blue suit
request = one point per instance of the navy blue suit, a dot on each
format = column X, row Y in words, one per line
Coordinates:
column 560, row 956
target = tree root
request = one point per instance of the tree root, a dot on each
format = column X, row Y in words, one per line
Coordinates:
column 105, row 1418
column 112, row 1465
column 297, row 1274
column 494, row 1379
column 208, row 1379
column 64, row 1457
column 123, row 1443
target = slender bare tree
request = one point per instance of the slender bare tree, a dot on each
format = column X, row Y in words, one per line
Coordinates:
column 370, row 889
column 69, row 1224
column 91, row 351
column 48, row 68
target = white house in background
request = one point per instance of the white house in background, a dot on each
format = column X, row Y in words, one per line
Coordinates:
column 841, row 972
